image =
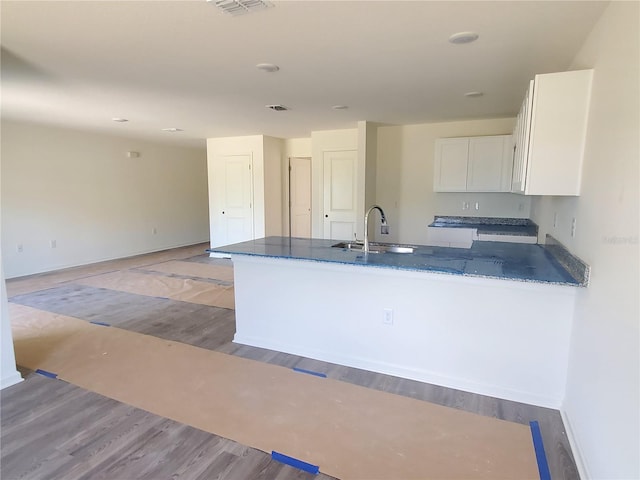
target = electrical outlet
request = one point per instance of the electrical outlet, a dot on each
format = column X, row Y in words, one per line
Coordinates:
column 53, row 244
column 387, row 319
column 465, row 205
column 573, row 227
column 555, row 219
column 477, row 206
column 19, row 248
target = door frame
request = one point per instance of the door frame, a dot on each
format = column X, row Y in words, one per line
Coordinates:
column 323, row 198
column 310, row 194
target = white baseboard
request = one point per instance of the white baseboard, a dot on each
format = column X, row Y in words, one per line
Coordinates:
column 11, row 379
column 581, row 465
column 219, row 255
column 402, row 372
column 65, row 266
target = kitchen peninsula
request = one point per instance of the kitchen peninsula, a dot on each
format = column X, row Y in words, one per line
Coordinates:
column 494, row 319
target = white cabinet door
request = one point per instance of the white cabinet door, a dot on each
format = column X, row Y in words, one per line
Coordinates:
column 490, row 163
column 473, row 164
column 551, row 134
column 340, row 189
column 521, row 142
column 451, row 161
column 232, row 190
column 451, row 237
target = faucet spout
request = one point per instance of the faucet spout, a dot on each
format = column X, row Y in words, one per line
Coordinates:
column 384, row 228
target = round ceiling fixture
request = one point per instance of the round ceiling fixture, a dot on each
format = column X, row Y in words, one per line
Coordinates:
column 172, row 129
column 473, row 94
column 463, row 37
column 268, row 67
column 340, row 107
column 119, row 120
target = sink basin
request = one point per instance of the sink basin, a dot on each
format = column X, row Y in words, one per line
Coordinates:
column 396, row 248
column 375, row 247
column 349, row 245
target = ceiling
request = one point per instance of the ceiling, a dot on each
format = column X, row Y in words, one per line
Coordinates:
column 186, row 64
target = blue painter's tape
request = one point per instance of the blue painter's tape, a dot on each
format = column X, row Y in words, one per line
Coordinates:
column 101, row 323
column 44, row 373
column 294, row 462
column 310, row 372
column 541, row 457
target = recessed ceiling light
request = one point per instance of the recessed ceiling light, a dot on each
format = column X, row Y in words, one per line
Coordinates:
column 172, row 129
column 119, row 120
column 473, row 94
column 463, row 37
column 340, row 107
column 268, row 67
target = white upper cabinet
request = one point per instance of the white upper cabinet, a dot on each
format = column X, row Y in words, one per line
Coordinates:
column 550, row 134
column 490, row 164
column 473, row 164
column 451, row 162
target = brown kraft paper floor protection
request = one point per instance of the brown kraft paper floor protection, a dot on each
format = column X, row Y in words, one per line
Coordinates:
column 192, row 269
column 33, row 283
column 185, row 290
column 351, row 432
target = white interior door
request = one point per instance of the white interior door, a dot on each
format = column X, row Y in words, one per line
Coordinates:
column 340, row 189
column 235, row 191
column 300, row 197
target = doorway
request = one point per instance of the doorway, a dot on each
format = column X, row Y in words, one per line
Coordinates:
column 233, row 191
column 340, row 192
column 300, row 197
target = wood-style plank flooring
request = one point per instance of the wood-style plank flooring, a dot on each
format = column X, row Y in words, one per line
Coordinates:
column 51, row 429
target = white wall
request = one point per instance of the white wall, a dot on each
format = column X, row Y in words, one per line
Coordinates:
column 602, row 401
column 81, row 190
column 404, row 185
column 297, row 147
column 368, row 159
column 9, row 375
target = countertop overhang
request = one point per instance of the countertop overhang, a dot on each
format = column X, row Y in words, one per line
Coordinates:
column 500, row 260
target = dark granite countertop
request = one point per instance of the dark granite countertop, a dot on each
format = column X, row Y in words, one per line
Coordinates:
column 489, row 225
column 501, row 260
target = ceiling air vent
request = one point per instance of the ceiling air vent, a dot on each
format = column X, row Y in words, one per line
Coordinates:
column 277, row 108
column 240, row 7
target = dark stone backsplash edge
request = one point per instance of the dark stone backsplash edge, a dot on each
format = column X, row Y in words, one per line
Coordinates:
column 574, row 265
column 520, row 222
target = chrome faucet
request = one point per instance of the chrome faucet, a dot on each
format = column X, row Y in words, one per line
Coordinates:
column 384, row 229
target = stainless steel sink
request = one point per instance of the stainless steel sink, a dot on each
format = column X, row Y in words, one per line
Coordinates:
column 376, row 247
column 349, row 245
column 396, row 248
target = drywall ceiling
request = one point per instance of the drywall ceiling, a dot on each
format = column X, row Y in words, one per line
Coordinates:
column 186, row 64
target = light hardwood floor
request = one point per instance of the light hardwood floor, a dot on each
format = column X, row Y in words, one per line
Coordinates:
column 51, row 429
